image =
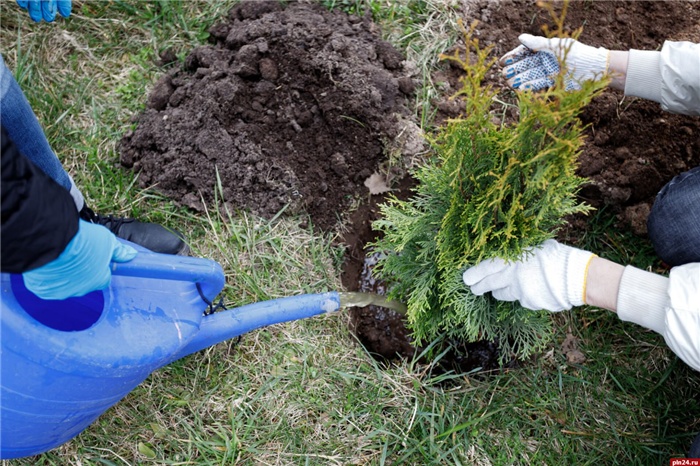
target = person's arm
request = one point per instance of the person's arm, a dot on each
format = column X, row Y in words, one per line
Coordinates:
column 670, row 76
column 58, row 255
column 617, row 68
column 558, row 277
column 669, row 306
column 603, row 283
column 39, row 217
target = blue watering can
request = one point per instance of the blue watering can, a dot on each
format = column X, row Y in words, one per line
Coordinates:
column 63, row 363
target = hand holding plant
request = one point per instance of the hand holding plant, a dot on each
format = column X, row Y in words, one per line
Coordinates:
column 533, row 65
column 489, row 191
column 551, row 276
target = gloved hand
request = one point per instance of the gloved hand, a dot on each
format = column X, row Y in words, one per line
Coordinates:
column 551, row 276
column 82, row 267
column 46, row 9
column 531, row 65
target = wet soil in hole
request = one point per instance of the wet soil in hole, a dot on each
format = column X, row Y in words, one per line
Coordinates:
column 383, row 331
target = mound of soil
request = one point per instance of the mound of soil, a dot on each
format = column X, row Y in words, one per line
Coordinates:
column 291, row 105
column 633, row 147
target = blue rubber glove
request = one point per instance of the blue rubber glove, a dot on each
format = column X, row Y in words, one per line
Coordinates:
column 532, row 65
column 46, row 9
column 82, row 267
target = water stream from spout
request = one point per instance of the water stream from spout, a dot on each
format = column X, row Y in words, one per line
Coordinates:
column 357, row 299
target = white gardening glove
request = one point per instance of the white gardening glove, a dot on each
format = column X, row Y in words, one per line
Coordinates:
column 532, row 65
column 551, row 276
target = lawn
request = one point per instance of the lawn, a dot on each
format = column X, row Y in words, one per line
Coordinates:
column 306, row 392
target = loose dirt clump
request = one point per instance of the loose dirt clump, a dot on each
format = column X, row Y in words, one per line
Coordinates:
column 291, row 106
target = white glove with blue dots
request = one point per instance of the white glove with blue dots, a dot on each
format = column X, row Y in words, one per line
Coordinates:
column 532, row 65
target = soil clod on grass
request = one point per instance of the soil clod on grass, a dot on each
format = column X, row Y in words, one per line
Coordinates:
column 292, row 106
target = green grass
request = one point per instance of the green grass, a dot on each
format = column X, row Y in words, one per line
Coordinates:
column 305, row 392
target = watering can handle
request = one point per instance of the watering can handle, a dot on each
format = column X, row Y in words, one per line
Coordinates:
column 147, row 264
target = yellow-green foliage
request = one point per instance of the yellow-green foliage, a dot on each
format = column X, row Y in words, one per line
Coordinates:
column 489, row 191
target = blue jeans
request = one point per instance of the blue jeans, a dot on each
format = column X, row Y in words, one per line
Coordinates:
column 23, row 127
column 695, row 448
column 674, row 229
column 674, row 223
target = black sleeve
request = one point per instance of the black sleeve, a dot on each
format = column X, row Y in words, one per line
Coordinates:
column 39, row 217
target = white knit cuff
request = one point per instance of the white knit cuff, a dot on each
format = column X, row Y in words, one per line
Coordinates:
column 576, row 269
column 76, row 195
column 643, row 299
column 644, row 75
column 592, row 65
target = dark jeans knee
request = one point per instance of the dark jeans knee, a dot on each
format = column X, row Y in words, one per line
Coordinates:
column 674, row 222
column 695, row 448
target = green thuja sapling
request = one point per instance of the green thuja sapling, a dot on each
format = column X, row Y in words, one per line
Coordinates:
column 488, row 191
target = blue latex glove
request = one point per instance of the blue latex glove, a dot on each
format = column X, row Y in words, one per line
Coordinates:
column 46, row 9
column 82, row 267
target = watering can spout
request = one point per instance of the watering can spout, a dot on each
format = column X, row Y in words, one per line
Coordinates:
column 223, row 326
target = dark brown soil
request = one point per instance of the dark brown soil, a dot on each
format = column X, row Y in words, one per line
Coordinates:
column 291, row 105
column 381, row 331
